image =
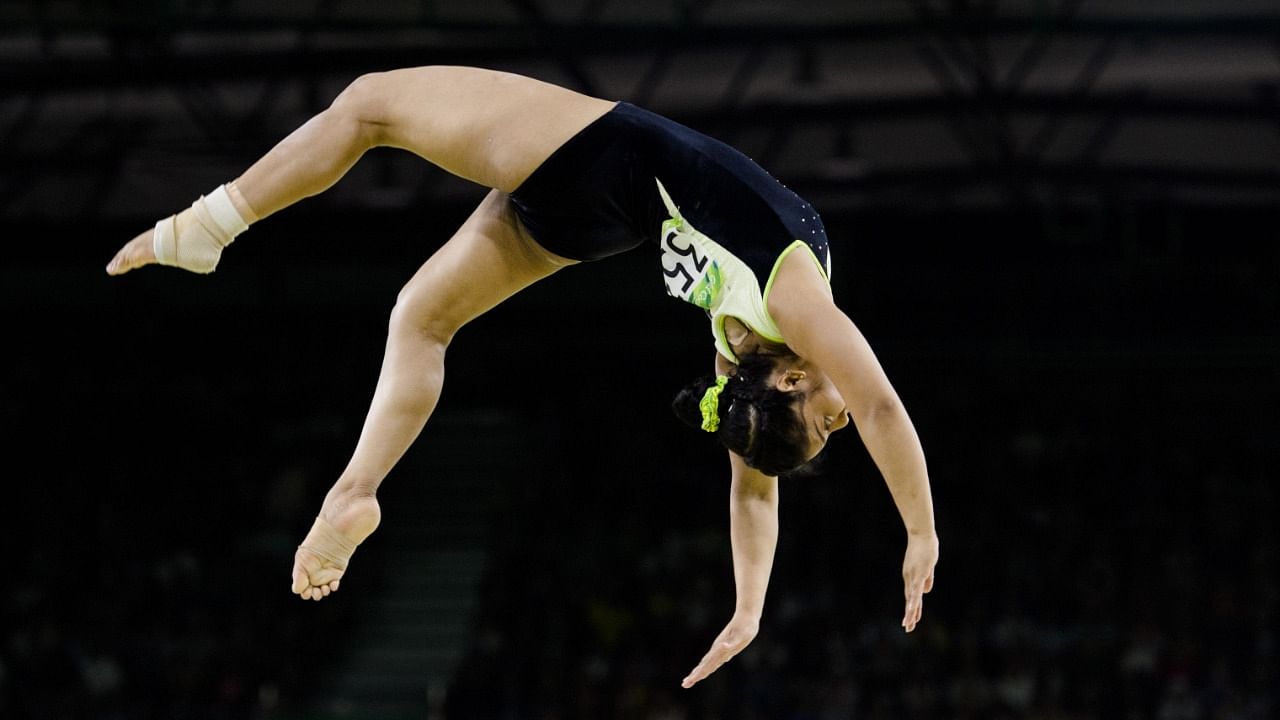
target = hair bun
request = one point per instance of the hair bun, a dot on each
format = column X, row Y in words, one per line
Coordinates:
column 757, row 421
column 686, row 403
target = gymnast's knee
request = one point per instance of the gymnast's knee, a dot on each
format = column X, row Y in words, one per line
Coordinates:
column 364, row 102
column 432, row 329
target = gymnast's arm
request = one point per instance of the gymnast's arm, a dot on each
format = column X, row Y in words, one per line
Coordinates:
column 753, row 532
column 818, row 331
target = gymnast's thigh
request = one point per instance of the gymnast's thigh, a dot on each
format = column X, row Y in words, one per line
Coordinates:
column 489, row 259
column 491, row 127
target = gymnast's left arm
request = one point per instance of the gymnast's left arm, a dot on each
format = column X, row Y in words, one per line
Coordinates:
column 818, row 331
column 753, row 532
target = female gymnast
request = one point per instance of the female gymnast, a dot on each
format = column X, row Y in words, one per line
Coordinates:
column 576, row 178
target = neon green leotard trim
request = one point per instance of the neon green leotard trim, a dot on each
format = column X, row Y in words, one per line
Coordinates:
column 700, row 271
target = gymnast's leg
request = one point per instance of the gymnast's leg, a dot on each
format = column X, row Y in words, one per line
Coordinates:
column 491, row 127
column 489, row 259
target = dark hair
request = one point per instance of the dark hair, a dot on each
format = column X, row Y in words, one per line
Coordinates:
column 757, row 421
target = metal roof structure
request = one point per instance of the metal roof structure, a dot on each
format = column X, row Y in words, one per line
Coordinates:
column 129, row 109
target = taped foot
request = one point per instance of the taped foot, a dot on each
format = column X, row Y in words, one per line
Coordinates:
column 321, row 560
column 194, row 238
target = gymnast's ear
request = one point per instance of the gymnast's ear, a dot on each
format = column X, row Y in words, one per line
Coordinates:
column 789, row 380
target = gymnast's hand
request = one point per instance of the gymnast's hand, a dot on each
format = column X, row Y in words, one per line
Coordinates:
column 737, row 635
column 917, row 575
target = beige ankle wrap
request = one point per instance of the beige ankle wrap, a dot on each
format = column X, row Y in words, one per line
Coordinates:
column 194, row 238
column 328, row 543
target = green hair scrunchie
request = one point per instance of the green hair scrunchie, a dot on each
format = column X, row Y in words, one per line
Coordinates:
column 710, row 405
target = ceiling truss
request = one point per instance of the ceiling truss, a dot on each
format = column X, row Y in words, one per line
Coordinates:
column 905, row 104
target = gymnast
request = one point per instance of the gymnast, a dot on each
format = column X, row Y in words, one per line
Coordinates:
column 575, row 178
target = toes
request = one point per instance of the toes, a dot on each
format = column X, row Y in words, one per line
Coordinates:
column 135, row 254
column 325, row 576
column 313, row 578
column 314, row 592
column 303, row 586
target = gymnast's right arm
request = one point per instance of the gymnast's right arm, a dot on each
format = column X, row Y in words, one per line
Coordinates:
column 753, row 531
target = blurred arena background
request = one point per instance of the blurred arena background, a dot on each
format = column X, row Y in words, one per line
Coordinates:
column 1056, row 221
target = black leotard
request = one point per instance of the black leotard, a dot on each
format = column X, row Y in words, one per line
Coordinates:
column 595, row 196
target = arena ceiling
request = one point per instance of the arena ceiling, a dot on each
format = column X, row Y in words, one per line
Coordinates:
column 111, row 109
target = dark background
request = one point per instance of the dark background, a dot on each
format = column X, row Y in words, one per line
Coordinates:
column 1056, row 224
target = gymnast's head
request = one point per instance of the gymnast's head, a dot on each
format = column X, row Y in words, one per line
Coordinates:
column 775, row 411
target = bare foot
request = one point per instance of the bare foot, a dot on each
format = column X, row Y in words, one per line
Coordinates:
column 320, row 561
column 136, row 253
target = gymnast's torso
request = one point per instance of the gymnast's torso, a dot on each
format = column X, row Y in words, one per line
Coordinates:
column 722, row 223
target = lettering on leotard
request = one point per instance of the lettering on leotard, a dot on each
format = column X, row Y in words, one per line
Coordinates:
column 690, row 276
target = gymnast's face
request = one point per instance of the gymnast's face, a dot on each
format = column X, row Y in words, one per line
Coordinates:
column 822, row 411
